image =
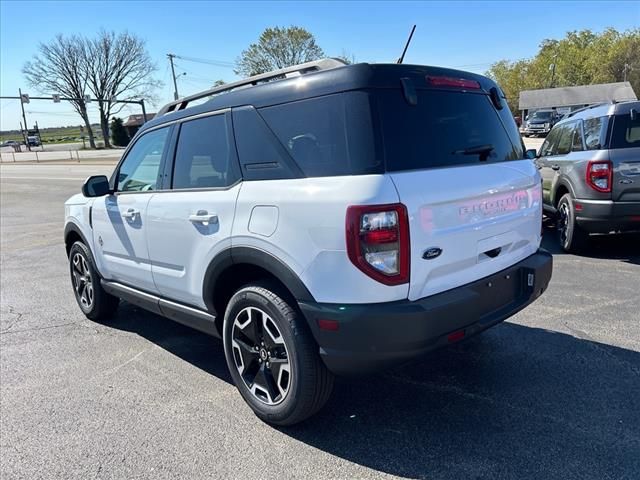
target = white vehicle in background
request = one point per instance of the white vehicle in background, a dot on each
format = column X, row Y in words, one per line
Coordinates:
column 341, row 221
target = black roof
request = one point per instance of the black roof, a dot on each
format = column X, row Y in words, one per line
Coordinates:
column 324, row 82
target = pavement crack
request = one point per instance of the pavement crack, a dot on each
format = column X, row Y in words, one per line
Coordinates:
column 5, row 332
column 12, row 311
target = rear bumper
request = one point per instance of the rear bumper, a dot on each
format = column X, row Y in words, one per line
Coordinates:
column 603, row 216
column 371, row 337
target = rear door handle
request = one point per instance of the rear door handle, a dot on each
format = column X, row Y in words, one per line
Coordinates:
column 130, row 214
column 555, row 167
column 203, row 217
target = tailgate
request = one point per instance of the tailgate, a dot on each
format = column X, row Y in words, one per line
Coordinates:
column 482, row 217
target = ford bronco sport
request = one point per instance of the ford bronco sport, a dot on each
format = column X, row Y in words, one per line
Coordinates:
column 590, row 168
column 322, row 219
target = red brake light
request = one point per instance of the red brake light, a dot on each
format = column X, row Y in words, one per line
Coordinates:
column 453, row 82
column 600, row 175
column 378, row 241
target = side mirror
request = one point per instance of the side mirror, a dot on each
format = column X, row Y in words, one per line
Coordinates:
column 96, row 186
column 531, row 154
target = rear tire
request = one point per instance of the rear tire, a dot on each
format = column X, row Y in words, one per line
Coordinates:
column 572, row 238
column 92, row 299
column 272, row 356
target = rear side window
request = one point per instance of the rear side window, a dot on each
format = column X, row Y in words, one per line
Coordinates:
column 327, row 136
column 576, row 142
column 445, row 128
column 594, row 132
column 626, row 132
column 204, row 157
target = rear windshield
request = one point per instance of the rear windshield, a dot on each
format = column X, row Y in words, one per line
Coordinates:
column 626, row 132
column 444, row 129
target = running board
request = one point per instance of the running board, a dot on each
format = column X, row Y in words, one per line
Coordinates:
column 189, row 316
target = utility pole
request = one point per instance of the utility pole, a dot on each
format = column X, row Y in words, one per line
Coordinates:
column 627, row 67
column 171, row 56
column 24, row 118
column 144, row 111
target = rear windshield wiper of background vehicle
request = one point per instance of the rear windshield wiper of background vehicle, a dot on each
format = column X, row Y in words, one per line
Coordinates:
column 482, row 150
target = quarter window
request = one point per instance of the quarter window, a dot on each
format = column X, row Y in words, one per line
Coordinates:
column 594, row 133
column 576, row 143
column 204, row 157
column 139, row 170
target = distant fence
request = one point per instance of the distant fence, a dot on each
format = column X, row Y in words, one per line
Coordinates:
column 58, row 156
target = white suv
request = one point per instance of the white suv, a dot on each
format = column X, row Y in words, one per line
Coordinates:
column 322, row 219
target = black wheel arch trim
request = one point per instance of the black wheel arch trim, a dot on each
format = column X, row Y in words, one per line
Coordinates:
column 563, row 182
column 259, row 258
column 72, row 227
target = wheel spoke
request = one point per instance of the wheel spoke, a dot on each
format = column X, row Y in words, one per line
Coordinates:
column 84, row 297
column 244, row 355
column 281, row 371
column 264, row 381
column 271, row 335
column 256, row 324
column 77, row 279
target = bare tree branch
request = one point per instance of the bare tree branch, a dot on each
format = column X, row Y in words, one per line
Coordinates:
column 58, row 68
column 118, row 66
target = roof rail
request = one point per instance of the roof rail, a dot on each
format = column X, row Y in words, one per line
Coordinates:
column 571, row 114
column 324, row 64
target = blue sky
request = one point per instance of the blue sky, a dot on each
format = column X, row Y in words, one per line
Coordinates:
column 468, row 35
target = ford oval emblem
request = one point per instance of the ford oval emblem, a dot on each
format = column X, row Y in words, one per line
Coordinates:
column 431, row 253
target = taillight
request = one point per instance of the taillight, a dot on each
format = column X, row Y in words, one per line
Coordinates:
column 599, row 175
column 378, row 241
column 453, row 82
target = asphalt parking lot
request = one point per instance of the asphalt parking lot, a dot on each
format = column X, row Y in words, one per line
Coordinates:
column 552, row 393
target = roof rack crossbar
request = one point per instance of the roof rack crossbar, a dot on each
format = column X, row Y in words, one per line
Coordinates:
column 588, row 107
column 324, row 64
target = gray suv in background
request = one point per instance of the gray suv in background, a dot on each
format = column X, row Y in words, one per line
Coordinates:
column 590, row 168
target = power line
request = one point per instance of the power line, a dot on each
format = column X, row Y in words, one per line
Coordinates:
column 217, row 63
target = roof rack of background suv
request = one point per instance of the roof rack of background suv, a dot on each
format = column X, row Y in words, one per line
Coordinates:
column 324, row 64
column 571, row 114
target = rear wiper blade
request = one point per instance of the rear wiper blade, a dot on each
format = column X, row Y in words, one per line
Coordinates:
column 477, row 150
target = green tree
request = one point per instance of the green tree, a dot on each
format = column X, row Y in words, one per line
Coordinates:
column 580, row 58
column 119, row 135
column 278, row 47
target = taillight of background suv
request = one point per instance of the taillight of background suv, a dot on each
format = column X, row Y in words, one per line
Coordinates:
column 378, row 241
column 599, row 175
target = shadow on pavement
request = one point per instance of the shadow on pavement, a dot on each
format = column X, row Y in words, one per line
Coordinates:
column 515, row 402
column 622, row 246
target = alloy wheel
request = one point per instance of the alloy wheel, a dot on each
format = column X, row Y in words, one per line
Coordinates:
column 82, row 281
column 563, row 222
column 260, row 355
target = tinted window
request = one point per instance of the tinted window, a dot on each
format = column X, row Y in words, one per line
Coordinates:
column 576, row 142
column 550, row 143
column 564, row 141
column 139, row 170
column 594, row 132
column 326, row 136
column 443, row 129
column 626, row 132
column 204, row 157
column 261, row 155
